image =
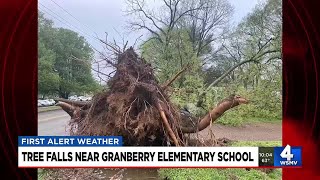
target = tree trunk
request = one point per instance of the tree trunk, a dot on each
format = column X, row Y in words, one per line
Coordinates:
column 215, row 113
column 245, row 84
column 64, row 94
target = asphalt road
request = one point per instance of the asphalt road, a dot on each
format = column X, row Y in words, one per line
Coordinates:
column 55, row 123
column 52, row 123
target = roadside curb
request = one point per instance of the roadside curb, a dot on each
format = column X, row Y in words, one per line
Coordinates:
column 47, row 109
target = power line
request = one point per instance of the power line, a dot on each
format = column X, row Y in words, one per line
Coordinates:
column 88, row 28
column 71, row 26
column 68, row 23
column 95, row 49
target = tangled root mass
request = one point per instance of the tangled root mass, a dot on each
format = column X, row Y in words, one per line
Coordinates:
column 128, row 108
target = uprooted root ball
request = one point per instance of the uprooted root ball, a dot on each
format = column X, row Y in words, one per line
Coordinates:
column 129, row 107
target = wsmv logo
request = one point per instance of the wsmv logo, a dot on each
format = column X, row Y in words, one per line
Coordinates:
column 287, row 156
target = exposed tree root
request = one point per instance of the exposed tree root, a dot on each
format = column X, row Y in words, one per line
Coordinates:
column 167, row 125
column 137, row 108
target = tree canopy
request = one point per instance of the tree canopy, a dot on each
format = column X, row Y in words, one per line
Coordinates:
column 64, row 61
column 222, row 60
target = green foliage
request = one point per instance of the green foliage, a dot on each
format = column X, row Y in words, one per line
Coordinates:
column 257, row 37
column 259, row 81
column 42, row 173
column 188, row 94
column 264, row 106
column 48, row 79
column 224, row 174
column 59, row 71
column 265, row 102
column 170, row 57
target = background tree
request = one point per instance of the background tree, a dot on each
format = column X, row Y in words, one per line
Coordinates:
column 48, row 78
column 182, row 33
column 206, row 24
column 205, row 21
column 254, row 65
column 59, row 70
column 246, row 59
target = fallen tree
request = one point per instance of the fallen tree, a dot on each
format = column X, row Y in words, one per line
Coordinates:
column 136, row 107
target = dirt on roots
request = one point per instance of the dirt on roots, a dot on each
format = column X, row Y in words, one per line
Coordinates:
column 130, row 107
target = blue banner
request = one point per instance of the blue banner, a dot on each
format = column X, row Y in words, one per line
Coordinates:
column 69, row 141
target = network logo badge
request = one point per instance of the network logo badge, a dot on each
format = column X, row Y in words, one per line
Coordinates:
column 287, row 156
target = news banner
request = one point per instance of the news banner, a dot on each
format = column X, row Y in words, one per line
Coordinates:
column 108, row 152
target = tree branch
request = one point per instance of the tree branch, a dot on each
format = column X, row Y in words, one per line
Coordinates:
column 150, row 30
column 215, row 113
column 237, row 65
column 168, row 83
column 149, row 17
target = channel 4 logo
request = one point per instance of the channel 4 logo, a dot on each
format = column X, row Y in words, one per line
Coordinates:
column 287, row 156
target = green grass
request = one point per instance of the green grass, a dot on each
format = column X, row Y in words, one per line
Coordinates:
column 50, row 108
column 257, row 143
column 238, row 121
column 224, row 174
column 42, row 173
column 218, row 174
column 268, row 120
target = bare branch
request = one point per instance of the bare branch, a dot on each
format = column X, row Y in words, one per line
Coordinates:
column 168, row 83
column 135, row 42
column 150, row 30
column 111, row 46
column 89, row 64
column 149, row 17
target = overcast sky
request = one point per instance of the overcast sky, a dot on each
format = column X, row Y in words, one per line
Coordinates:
column 92, row 18
column 100, row 16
